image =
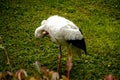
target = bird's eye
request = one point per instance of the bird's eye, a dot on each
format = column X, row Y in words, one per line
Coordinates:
column 44, row 32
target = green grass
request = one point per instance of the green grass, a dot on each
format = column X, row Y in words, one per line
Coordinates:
column 99, row 21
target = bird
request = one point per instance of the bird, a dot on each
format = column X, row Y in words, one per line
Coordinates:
column 63, row 32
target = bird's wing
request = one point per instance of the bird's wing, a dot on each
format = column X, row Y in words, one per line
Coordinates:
column 71, row 34
column 74, row 37
column 72, row 25
column 78, row 43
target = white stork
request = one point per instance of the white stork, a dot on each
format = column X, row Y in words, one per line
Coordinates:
column 63, row 32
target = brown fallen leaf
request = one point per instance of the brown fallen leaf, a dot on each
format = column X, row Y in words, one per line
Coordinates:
column 21, row 74
column 32, row 78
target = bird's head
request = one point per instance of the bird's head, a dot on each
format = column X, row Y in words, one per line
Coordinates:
column 40, row 32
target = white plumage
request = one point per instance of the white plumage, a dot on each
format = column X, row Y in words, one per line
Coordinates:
column 63, row 32
column 59, row 29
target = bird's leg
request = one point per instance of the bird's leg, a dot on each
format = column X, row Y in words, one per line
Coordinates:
column 59, row 59
column 69, row 64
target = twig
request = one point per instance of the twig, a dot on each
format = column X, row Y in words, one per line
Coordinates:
column 6, row 54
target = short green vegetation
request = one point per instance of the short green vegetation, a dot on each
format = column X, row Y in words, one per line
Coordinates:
column 99, row 21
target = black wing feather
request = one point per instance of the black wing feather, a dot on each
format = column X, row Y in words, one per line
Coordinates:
column 78, row 43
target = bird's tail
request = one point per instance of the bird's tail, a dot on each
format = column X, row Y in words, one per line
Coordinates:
column 80, row 44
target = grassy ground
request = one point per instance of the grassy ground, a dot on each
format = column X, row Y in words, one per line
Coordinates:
column 99, row 21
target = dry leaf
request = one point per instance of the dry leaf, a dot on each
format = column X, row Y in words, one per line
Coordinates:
column 32, row 78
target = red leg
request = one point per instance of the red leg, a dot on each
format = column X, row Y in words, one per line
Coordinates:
column 69, row 64
column 59, row 59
